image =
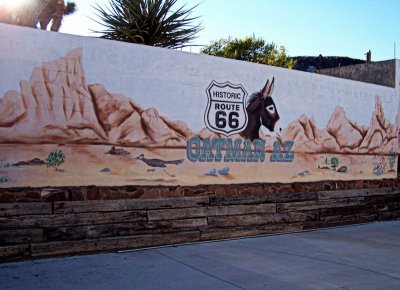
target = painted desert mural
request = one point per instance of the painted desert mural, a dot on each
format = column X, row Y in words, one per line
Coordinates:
column 59, row 130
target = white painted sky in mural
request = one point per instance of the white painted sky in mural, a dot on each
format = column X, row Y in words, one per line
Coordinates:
column 304, row 27
column 175, row 82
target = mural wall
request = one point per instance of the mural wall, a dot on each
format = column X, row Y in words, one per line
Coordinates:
column 82, row 111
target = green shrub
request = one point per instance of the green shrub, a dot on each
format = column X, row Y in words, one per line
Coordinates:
column 55, row 159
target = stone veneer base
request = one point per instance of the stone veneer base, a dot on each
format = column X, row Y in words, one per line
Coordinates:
column 39, row 222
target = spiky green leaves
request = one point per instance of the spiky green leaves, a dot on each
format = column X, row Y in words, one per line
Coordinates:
column 149, row 22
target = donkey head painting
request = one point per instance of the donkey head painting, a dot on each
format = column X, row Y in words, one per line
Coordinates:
column 261, row 110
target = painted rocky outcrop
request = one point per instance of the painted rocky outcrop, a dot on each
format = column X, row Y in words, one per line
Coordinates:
column 341, row 135
column 57, row 106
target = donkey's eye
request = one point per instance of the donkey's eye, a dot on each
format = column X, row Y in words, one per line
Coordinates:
column 271, row 109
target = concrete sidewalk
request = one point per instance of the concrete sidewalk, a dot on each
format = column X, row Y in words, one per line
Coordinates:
column 354, row 257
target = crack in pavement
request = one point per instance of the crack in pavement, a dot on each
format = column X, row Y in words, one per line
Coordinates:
column 198, row 270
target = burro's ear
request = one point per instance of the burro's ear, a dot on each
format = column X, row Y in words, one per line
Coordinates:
column 268, row 88
column 265, row 89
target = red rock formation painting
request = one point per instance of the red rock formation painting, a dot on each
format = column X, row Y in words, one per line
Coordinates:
column 57, row 106
column 341, row 135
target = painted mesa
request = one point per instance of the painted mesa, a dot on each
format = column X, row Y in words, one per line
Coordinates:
column 77, row 111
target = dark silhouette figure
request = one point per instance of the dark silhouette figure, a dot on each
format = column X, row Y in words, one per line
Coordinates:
column 261, row 110
column 158, row 163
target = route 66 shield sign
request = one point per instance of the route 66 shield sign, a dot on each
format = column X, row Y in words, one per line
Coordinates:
column 226, row 108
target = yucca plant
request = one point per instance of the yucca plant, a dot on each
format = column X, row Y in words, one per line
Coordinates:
column 149, row 22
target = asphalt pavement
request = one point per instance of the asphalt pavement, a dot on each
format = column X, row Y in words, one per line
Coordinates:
column 353, row 257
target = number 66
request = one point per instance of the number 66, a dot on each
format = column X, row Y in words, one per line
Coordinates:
column 220, row 118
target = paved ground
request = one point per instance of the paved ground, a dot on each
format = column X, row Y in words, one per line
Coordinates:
column 354, row 257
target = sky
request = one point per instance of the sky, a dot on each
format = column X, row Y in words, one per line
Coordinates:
column 305, row 27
